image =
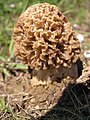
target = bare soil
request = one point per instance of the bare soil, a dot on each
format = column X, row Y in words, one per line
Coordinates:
column 37, row 100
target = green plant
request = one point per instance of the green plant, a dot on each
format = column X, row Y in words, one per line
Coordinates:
column 5, row 108
column 7, row 65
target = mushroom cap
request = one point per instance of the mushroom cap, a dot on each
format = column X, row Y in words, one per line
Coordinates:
column 44, row 37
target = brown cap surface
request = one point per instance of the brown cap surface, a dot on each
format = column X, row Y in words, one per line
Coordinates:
column 44, row 37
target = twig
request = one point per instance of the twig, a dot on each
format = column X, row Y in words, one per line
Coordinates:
column 25, row 112
column 10, row 95
column 3, row 115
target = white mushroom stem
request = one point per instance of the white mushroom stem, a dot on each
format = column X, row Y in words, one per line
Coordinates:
column 43, row 77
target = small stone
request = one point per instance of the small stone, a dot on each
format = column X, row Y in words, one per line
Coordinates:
column 87, row 54
column 37, row 107
column 80, row 37
column 32, row 100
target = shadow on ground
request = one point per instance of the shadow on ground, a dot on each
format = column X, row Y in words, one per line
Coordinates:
column 74, row 104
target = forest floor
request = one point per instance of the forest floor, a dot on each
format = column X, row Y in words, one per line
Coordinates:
column 64, row 100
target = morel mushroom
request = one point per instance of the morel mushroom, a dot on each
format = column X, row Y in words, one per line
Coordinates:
column 46, row 42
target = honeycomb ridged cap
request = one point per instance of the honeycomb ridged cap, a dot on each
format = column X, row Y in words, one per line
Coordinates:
column 44, row 37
